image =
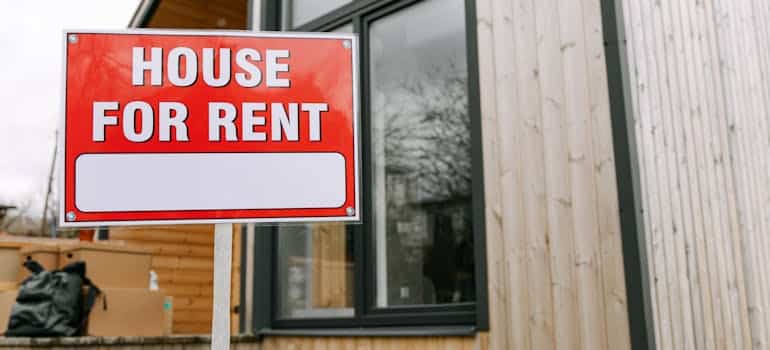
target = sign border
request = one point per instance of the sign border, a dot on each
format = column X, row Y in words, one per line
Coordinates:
column 353, row 37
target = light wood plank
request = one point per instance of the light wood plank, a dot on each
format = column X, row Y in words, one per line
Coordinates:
column 499, row 316
column 757, row 13
column 513, row 20
column 173, row 249
column 678, row 237
column 548, row 203
column 577, row 120
column 182, row 276
column 163, row 235
column 746, row 286
column 746, row 126
column 761, row 14
column 182, row 263
column 702, row 277
column 732, row 290
column 668, row 337
column 188, row 290
column 192, row 327
column 706, row 181
column 193, row 303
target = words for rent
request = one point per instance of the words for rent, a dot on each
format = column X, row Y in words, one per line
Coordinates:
column 246, row 121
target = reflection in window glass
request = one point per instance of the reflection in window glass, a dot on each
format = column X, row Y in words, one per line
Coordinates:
column 421, row 156
column 298, row 12
column 315, row 267
column 315, row 271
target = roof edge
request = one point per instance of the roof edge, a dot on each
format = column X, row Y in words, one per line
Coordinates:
column 143, row 13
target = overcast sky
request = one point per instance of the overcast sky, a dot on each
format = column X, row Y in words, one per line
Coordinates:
column 30, row 84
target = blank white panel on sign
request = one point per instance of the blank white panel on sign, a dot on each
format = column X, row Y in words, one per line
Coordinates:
column 209, row 181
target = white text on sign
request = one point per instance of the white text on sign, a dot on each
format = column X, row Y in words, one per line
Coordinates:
column 226, row 121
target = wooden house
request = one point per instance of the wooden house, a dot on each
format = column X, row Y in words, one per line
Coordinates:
column 539, row 174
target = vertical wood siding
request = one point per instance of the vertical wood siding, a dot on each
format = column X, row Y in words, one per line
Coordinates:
column 699, row 85
column 555, row 264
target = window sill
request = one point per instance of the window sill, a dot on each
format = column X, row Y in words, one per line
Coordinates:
column 433, row 331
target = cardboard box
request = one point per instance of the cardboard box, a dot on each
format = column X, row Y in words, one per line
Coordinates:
column 7, row 300
column 46, row 255
column 127, row 313
column 111, row 266
column 9, row 261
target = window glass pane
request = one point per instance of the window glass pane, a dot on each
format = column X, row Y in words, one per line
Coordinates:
column 315, row 271
column 421, row 156
column 347, row 28
column 315, row 266
column 298, row 12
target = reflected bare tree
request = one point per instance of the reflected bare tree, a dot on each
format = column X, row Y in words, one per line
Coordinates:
column 427, row 140
column 18, row 220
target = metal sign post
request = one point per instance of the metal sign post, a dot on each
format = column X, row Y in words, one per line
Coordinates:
column 223, row 252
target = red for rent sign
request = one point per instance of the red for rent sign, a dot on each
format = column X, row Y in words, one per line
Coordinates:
column 202, row 127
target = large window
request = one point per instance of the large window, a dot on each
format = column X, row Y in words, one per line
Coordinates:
column 417, row 257
column 421, row 156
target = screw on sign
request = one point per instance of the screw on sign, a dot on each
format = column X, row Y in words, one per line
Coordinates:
column 166, row 127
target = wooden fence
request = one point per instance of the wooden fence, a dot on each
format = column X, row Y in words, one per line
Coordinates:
column 182, row 256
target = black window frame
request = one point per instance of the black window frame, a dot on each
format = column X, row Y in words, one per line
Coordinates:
column 360, row 14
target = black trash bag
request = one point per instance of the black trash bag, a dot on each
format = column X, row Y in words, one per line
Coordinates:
column 50, row 303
